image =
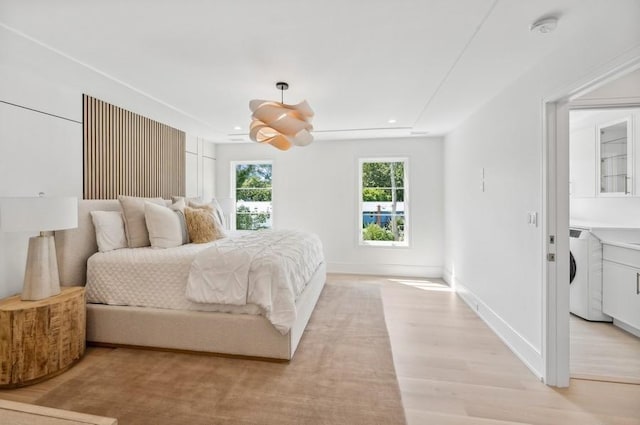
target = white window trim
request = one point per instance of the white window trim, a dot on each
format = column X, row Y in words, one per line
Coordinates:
column 232, row 181
column 408, row 226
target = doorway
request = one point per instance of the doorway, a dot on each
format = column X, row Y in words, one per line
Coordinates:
column 556, row 222
column 604, row 230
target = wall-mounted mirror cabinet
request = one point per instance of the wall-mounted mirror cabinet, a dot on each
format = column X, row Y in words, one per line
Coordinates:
column 615, row 164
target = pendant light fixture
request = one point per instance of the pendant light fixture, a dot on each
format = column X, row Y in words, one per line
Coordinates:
column 279, row 124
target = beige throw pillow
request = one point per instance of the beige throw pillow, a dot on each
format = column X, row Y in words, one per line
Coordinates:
column 167, row 226
column 202, row 225
column 134, row 222
column 197, row 202
column 217, row 213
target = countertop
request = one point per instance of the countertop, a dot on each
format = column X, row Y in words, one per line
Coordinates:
column 628, row 245
column 610, row 233
column 590, row 225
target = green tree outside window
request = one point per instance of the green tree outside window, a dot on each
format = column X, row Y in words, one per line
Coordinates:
column 253, row 196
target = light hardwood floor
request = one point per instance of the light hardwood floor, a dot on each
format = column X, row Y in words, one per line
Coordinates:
column 453, row 370
column 604, row 352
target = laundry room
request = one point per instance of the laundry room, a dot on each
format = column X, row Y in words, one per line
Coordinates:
column 604, row 174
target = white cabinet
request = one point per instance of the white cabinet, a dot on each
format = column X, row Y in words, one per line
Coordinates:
column 208, row 177
column 191, row 171
column 200, row 160
column 615, row 154
column 621, row 284
column 604, row 153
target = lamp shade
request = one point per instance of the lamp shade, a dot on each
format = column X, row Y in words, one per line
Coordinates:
column 38, row 214
column 281, row 125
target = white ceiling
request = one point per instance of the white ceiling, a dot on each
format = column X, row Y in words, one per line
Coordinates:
column 428, row 64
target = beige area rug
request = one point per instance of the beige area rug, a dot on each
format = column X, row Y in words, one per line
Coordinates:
column 342, row 373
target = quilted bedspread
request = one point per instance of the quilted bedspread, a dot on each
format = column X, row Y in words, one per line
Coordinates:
column 266, row 268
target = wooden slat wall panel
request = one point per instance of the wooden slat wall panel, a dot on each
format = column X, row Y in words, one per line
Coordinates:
column 128, row 154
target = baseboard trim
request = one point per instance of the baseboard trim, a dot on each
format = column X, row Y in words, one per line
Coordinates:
column 447, row 276
column 628, row 328
column 386, row 269
column 523, row 349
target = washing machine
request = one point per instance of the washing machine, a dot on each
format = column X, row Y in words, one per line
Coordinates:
column 585, row 280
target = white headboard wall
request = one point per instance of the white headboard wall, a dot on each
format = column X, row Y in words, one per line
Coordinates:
column 75, row 246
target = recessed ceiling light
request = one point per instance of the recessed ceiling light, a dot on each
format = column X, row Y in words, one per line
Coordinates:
column 237, row 127
column 545, row 25
column 392, row 121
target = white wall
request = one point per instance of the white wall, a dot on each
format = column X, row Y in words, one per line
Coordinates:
column 492, row 256
column 586, row 205
column 582, row 162
column 622, row 91
column 621, row 212
column 315, row 188
column 40, row 152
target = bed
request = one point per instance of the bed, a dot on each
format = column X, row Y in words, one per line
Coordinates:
column 181, row 324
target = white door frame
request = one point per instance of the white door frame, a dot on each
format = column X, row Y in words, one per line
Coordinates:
column 555, row 214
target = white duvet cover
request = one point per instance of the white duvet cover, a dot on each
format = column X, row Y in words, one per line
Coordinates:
column 148, row 277
column 266, row 268
column 157, row 278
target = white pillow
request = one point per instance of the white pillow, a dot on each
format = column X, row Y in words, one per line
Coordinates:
column 167, row 228
column 110, row 232
column 133, row 214
column 196, row 199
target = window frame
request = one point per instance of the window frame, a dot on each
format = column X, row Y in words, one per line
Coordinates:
column 407, row 234
column 232, row 180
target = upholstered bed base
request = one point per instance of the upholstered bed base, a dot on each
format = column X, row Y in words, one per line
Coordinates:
column 223, row 333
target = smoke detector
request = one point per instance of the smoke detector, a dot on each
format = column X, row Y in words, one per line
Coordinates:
column 545, row 25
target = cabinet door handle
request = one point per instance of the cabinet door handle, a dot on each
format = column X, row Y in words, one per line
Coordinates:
column 637, row 283
column 626, row 185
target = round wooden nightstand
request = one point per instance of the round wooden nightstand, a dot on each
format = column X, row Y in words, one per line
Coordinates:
column 41, row 339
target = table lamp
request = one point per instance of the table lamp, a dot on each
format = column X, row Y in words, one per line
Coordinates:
column 39, row 214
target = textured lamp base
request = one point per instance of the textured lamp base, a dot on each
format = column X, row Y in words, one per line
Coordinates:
column 41, row 278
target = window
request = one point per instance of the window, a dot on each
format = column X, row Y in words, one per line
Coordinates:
column 383, row 202
column 251, row 184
